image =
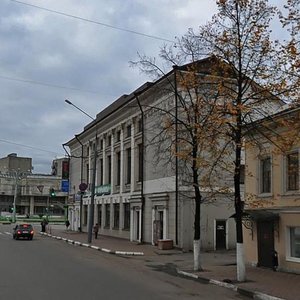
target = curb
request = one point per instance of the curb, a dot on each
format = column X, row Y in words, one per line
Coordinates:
column 242, row 291
column 72, row 242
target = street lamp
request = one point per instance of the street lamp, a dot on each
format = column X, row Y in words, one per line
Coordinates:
column 92, row 206
column 15, row 196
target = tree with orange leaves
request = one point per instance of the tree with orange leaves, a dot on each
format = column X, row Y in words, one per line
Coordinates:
column 241, row 84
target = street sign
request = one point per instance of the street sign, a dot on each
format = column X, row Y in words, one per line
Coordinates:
column 65, row 186
column 83, row 186
column 40, row 188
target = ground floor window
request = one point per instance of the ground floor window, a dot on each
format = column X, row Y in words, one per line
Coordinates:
column 295, row 241
column 116, row 215
column 107, row 215
column 99, row 215
column 126, row 216
column 85, row 214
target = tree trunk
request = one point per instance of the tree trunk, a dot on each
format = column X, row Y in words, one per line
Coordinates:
column 240, row 262
column 240, row 257
column 197, row 226
column 197, row 255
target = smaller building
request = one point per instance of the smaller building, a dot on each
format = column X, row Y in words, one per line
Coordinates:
column 32, row 194
column 273, row 193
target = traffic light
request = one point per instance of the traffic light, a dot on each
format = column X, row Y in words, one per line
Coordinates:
column 52, row 192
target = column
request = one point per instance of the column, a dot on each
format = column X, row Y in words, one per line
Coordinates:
column 152, row 224
column 112, row 155
column 132, row 227
column 31, row 205
column 122, row 160
column 165, row 229
column 132, row 186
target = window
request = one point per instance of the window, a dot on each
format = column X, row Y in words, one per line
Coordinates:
column 109, row 169
column 107, row 215
column 140, row 154
column 128, row 130
column 116, row 215
column 295, row 242
column 292, row 169
column 101, row 171
column 128, row 175
column 101, row 144
column 118, row 156
column 126, row 216
column 100, row 214
column 242, row 174
column 140, row 125
column 87, row 173
column 118, row 137
column 265, row 175
column 109, row 141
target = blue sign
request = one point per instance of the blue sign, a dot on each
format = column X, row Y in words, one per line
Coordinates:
column 65, row 186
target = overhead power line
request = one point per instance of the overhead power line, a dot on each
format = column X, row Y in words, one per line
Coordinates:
column 95, row 22
column 47, row 84
column 30, row 147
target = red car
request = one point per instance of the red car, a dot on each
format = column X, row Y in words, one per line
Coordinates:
column 23, row 231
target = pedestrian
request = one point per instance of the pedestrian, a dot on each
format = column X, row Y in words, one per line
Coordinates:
column 67, row 224
column 275, row 260
column 43, row 224
column 96, row 229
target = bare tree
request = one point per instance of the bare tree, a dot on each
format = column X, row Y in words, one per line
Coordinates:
column 239, row 36
column 227, row 95
column 188, row 129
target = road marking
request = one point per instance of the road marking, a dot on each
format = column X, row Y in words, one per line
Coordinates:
column 9, row 233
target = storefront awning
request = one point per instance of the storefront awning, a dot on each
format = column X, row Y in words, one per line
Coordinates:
column 263, row 214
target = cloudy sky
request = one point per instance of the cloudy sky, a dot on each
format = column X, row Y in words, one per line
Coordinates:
column 56, row 50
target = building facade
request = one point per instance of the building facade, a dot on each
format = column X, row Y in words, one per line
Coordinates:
column 139, row 195
column 30, row 193
column 273, row 195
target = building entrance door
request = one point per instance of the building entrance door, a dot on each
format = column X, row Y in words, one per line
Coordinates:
column 265, row 243
column 220, row 234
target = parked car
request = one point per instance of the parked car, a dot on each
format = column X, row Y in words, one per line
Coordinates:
column 23, row 231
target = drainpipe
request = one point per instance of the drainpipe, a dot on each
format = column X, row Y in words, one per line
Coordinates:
column 143, row 166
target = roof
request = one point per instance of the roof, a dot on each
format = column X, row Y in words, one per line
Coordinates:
column 202, row 66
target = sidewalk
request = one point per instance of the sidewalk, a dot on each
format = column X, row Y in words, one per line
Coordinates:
column 219, row 266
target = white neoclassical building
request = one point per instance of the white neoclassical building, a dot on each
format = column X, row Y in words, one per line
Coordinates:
column 138, row 194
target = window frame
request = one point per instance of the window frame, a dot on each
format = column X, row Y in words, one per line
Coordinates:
column 262, row 188
column 289, row 256
column 126, row 213
column 107, row 215
column 288, row 188
column 116, row 215
column 128, row 165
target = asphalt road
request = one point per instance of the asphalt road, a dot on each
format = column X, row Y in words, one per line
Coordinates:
column 48, row 269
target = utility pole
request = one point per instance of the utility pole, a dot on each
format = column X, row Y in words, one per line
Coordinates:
column 92, row 204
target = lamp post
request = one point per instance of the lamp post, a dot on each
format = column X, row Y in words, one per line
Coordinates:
column 92, row 205
column 15, row 196
column 81, row 182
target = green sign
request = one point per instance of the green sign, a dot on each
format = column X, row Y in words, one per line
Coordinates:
column 103, row 189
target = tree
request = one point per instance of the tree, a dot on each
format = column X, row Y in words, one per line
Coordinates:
column 290, row 19
column 243, row 83
column 239, row 36
column 179, row 136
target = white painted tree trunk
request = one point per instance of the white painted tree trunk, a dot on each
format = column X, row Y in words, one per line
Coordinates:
column 240, row 262
column 197, row 256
